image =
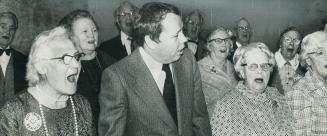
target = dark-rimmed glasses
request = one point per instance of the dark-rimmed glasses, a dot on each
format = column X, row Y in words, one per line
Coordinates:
column 263, row 66
column 124, row 14
column 220, row 40
column 67, row 59
column 289, row 40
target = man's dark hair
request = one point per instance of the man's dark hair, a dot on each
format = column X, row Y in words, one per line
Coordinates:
column 149, row 20
column 71, row 17
column 12, row 16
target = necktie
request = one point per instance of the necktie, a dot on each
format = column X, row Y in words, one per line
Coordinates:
column 5, row 50
column 169, row 93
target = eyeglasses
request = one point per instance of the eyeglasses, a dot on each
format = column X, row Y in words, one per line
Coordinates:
column 191, row 22
column 289, row 40
column 11, row 28
column 243, row 28
column 124, row 14
column 67, row 59
column 220, row 40
column 253, row 67
column 318, row 52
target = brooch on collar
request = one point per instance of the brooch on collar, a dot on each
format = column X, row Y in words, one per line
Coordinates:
column 32, row 121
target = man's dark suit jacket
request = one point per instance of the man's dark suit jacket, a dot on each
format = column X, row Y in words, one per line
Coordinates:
column 132, row 105
column 114, row 47
column 19, row 62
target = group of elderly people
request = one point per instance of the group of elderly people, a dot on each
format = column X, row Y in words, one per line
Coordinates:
column 256, row 92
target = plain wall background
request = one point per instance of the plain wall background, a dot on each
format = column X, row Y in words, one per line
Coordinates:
column 267, row 17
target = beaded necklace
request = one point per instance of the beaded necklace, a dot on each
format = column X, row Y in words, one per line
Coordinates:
column 74, row 114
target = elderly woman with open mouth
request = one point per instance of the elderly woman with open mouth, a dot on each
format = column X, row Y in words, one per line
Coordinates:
column 308, row 97
column 49, row 106
column 252, row 108
column 217, row 72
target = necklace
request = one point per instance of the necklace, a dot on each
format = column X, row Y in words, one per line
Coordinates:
column 74, row 114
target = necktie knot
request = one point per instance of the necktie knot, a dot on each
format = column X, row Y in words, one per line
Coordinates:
column 287, row 63
column 130, row 38
column 5, row 50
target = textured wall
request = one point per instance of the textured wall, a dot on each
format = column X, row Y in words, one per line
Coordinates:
column 267, row 17
column 35, row 16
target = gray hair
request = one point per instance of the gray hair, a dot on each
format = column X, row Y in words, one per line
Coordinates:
column 40, row 43
column 120, row 8
column 311, row 43
column 239, row 56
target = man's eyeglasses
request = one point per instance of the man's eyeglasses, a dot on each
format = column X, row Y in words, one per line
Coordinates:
column 220, row 40
column 253, row 67
column 243, row 28
column 11, row 28
column 191, row 22
column 124, row 14
column 67, row 59
column 289, row 40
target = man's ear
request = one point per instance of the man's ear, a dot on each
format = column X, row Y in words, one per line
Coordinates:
column 308, row 61
column 149, row 42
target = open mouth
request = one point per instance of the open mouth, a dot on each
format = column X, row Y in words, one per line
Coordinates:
column 258, row 80
column 91, row 42
column 223, row 50
column 72, row 78
column 290, row 50
column 5, row 37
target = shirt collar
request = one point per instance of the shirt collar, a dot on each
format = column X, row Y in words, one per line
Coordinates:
column 281, row 61
column 123, row 37
column 151, row 63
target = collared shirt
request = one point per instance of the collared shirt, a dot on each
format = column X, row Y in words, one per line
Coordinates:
column 155, row 68
column 243, row 113
column 126, row 42
column 308, row 102
column 287, row 70
column 4, row 60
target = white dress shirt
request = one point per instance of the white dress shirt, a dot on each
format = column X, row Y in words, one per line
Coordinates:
column 155, row 68
column 192, row 46
column 281, row 61
column 126, row 43
column 4, row 60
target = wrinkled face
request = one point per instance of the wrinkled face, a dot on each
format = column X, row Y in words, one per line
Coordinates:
column 243, row 31
column 220, row 44
column 85, row 34
column 60, row 76
column 193, row 26
column 171, row 40
column 257, row 71
column 290, row 44
column 126, row 18
column 318, row 62
column 7, row 31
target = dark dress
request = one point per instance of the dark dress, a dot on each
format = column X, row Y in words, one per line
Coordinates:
column 22, row 116
column 88, row 83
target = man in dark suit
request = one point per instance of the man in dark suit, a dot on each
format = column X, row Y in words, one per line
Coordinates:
column 12, row 62
column 157, row 89
column 121, row 45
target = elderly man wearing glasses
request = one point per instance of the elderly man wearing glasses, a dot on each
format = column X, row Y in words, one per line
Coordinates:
column 122, row 45
column 288, row 69
column 252, row 108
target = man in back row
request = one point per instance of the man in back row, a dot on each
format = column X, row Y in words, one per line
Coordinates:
column 157, row 89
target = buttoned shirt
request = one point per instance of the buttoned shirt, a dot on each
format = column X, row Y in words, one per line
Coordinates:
column 155, row 68
column 126, row 42
column 286, row 69
column 4, row 60
column 308, row 102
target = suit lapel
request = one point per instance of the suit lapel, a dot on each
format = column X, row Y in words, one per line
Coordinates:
column 181, row 82
column 147, row 89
